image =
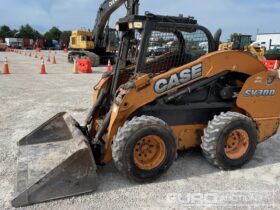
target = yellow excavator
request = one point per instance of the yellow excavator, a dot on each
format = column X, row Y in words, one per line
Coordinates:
column 244, row 43
column 81, row 40
column 101, row 44
column 150, row 107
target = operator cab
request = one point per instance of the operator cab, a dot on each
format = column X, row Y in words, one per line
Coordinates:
column 172, row 42
column 153, row 44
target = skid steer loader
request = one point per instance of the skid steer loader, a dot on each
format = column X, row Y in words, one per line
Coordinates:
column 150, row 107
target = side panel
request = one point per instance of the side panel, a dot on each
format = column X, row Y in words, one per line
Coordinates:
column 145, row 90
column 188, row 135
column 260, row 98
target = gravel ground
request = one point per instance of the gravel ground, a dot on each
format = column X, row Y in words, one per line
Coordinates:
column 27, row 99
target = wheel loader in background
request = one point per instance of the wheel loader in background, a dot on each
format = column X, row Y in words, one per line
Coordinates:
column 144, row 112
column 244, row 43
column 100, row 45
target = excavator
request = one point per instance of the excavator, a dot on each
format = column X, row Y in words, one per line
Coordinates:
column 244, row 42
column 101, row 44
column 151, row 106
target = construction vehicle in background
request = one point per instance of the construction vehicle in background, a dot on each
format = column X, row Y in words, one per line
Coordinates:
column 149, row 107
column 100, row 45
column 273, row 54
column 81, row 40
column 244, row 43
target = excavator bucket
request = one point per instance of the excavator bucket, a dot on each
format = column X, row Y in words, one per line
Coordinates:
column 55, row 161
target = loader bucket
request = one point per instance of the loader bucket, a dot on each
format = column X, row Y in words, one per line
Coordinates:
column 55, row 161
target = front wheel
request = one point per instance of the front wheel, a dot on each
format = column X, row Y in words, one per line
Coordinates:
column 144, row 148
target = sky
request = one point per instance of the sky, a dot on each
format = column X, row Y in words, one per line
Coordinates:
column 241, row 16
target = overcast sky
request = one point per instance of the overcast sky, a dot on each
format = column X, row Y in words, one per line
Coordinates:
column 243, row 16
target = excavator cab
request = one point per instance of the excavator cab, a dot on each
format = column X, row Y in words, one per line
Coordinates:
column 240, row 41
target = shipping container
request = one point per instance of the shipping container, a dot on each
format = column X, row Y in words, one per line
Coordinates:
column 40, row 43
column 26, row 43
column 14, row 42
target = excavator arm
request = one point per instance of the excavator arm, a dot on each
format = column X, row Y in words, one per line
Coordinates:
column 99, row 50
column 107, row 8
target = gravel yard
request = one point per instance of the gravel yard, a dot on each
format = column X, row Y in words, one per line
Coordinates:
column 27, row 99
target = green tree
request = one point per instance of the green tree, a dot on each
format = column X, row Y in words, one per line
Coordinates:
column 65, row 35
column 26, row 31
column 5, row 32
column 53, row 33
column 14, row 33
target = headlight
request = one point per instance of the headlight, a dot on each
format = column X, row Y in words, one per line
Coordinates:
column 130, row 25
column 138, row 25
column 135, row 25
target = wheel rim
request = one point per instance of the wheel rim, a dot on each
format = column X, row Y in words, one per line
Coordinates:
column 237, row 144
column 149, row 152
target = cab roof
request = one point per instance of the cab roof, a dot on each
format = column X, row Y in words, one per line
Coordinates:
column 158, row 18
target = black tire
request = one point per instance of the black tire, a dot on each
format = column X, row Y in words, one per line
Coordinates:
column 126, row 139
column 216, row 134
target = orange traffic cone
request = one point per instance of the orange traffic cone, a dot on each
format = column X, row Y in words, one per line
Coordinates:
column 49, row 58
column 43, row 68
column 75, row 68
column 109, row 67
column 6, row 67
column 54, row 60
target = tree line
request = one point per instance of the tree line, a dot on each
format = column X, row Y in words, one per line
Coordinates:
column 26, row 31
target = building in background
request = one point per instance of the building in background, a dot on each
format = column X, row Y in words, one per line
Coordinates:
column 268, row 40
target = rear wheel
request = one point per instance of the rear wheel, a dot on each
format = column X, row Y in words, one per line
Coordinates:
column 144, row 148
column 230, row 140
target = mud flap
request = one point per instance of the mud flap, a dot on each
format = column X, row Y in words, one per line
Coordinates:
column 54, row 161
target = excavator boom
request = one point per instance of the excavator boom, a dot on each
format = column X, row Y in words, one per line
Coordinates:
column 98, row 48
column 105, row 11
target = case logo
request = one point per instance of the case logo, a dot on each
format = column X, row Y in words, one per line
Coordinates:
column 175, row 80
column 250, row 93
